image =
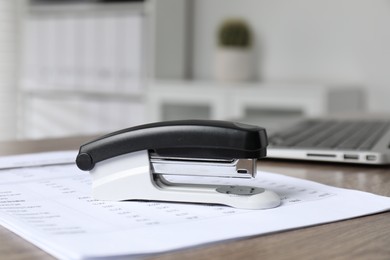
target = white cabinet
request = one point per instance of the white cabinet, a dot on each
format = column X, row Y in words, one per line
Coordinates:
column 184, row 99
column 84, row 65
column 48, row 114
column 9, row 13
column 81, row 69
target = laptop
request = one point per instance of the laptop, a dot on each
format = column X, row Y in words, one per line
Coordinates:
column 332, row 140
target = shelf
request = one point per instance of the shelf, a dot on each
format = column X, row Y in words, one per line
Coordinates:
column 85, row 7
column 86, row 93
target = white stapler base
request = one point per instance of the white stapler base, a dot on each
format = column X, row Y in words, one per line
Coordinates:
column 130, row 177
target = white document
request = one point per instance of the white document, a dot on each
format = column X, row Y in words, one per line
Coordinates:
column 51, row 207
column 37, row 159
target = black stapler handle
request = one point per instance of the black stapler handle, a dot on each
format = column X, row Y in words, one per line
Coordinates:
column 185, row 138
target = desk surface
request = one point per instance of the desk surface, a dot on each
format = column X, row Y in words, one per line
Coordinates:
column 359, row 238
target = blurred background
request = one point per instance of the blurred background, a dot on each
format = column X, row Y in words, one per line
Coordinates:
column 86, row 67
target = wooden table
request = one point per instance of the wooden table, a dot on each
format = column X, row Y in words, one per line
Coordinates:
column 360, row 238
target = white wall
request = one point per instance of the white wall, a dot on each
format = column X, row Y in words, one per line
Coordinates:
column 337, row 41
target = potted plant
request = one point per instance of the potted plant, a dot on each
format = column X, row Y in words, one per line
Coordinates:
column 234, row 54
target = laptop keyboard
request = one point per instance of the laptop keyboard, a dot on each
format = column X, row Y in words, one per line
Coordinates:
column 332, row 134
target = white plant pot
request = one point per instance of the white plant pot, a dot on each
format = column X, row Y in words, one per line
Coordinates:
column 233, row 64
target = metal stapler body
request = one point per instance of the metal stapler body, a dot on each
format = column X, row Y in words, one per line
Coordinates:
column 133, row 164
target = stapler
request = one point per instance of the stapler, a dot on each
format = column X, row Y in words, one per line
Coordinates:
column 134, row 163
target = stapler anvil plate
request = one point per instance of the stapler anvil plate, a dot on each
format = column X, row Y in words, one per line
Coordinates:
column 131, row 164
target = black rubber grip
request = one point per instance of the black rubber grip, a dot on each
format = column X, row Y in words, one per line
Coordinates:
column 185, row 138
